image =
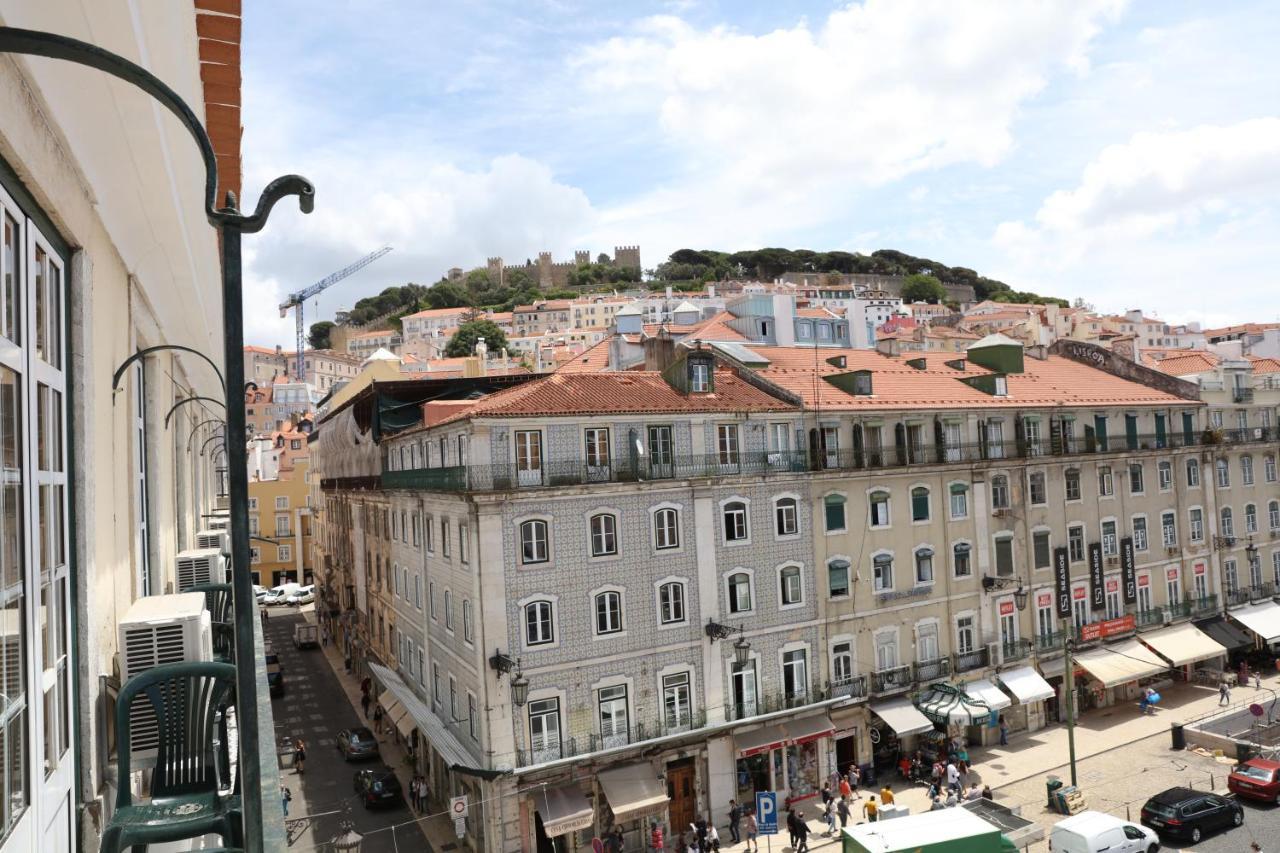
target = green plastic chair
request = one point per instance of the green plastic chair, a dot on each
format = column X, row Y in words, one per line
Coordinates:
column 217, row 600
column 190, row 702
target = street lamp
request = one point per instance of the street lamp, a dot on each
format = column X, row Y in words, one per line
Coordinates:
column 741, row 651
column 519, row 689
column 741, row 648
column 1020, row 595
column 349, row 840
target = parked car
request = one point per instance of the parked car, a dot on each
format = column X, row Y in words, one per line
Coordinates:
column 302, row 595
column 277, row 595
column 1094, row 832
column 378, row 788
column 275, row 672
column 306, row 636
column 1256, row 779
column 1184, row 813
column 356, row 743
column 259, row 592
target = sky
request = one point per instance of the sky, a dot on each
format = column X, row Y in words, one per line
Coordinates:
column 1124, row 153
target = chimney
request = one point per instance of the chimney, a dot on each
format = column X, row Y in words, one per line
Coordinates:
column 473, row 367
column 659, row 351
column 668, row 291
column 711, row 290
column 887, row 346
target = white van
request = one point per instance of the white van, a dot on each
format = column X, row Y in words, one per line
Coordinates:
column 1094, row 832
column 277, row 595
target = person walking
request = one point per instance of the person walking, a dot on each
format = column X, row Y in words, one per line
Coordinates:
column 855, row 779
column 842, row 809
column 364, row 704
column 802, row 836
column 700, row 826
column 886, row 796
column 753, row 833
column 377, row 719
column 656, row 841
column 792, row 820
column 1004, row 732
column 845, row 790
column 829, row 816
column 1224, row 693
column 713, row 839
column 299, row 755
column 953, row 776
column 735, row 816
column 870, row 810
column 285, row 798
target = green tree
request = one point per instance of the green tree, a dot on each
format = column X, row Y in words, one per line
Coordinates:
column 318, row 335
column 923, row 288
column 463, row 342
column 447, row 294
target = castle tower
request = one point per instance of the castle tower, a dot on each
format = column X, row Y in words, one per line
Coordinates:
column 544, row 270
column 626, row 257
column 494, row 267
column 581, row 257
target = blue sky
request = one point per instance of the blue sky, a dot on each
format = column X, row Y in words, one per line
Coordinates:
column 1126, row 153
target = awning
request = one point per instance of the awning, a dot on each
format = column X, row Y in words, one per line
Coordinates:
column 1127, row 661
column 1053, row 668
column 808, row 728
column 986, row 692
column 406, row 725
column 386, row 698
column 393, row 712
column 1026, row 684
column 632, row 789
column 759, row 740
column 1262, row 619
column 902, row 717
column 563, row 809
column 950, row 705
column 1227, row 633
column 1183, row 644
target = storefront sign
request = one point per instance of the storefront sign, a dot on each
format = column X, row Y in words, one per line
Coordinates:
column 1109, row 628
column 1112, row 585
column 1079, row 594
column 1097, row 597
column 1044, row 599
column 1062, row 581
column 1128, row 570
column 1144, row 580
column 1006, row 608
column 1199, row 568
column 1172, row 574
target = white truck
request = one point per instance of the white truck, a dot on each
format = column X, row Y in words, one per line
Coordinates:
column 1095, row 832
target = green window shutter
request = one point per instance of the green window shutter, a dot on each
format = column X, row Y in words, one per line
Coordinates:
column 1100, row 431
column 1162, row 439
column 1131, row 431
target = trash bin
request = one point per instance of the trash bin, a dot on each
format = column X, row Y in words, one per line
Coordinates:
column 1179, row 736
column 1244, row 751
column 1051, row 785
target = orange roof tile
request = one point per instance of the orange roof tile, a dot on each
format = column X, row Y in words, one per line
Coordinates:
column 717, row 329
column 437, row 312
column 1264, row 365
column 594, row 359
column 1184, row 363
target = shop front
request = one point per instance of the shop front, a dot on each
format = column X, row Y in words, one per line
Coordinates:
column 1233, row 638
column 849, row 737
column 563, row 819
column 1262, row 621
column 895, row 731
column 960, row 719
column 1030, row 691
column 1119, row 673
column 1184, row 646
column 636, row 798
column 986, row 731
column 790, row 758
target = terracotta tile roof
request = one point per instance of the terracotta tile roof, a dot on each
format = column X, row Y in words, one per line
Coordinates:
column 1264, row 365
column 367, row 335
column 594, row 359
column 437, row 312
column 817, row 313
column 1243, row 328
column 1183, row 363
column 263, row 350
column 717, row 329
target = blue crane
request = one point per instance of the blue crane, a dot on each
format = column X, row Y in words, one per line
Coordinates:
column 297, row 300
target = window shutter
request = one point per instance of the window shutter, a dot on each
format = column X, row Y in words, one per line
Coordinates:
column 939, row 442
column 1055, row 436
column 984, row 441
column 1020, row 435
column 857, row 445
column 900, row 442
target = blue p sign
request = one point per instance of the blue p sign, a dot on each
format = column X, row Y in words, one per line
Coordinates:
column 767, row 812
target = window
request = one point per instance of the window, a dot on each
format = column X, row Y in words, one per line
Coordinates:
column 1275, row 567
column 1224, row 474
column 596, row 441
column 959, row 500
column 538, row 625
column 1164, row 473
column 1230, row 579
column 1246, row 470
column 1227, row 527
column 255, row 555
column 1269, row 468
column 1135, row 478
column 608, row 613
column 445, row 537
column 1250, row 518
column 666, row 529
column 533, row 542
column 448, row 609
column 604, row 534
column 282, row 502
column 1139, row 533
column 284, row 553
column 1193, row 473
column 1040, row 549
column 837, row 578
column 882, row 572
column 699, row 377
column 282, row 526
column 253, row 504
column 1110, row 544
column 842, row 661
column 431, row 598
column 965, row 635
column 920, row 504
column 614, row 730
column 1036, row 489
column 1169, row 529
column 833, row 508
column 789, row 586
column 1000, row 492
column 1196, row 516
column 795, row 677
column 1273, row 515
column 735, row 521
column 879, row 509
column 1072, row 478
column 924, row 566
column 963, row 564
column 428, row 533
column 471, row 718
column 544, row 728
column 1106, row 486
column 671, row 603
column 739, row 592
column 676, row 700
column 784, row 517
column 1004, row 556
column 727, row 443
column 1032, row 437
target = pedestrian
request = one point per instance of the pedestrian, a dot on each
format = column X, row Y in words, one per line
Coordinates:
column 713, row 838
column 802, row 836
column 855, row 779
column 870, row 810
column 953, row 776
column 415, row 790
column 1224, row 693
column 1004, row 732
column 791, row 827
column 656, row 841
column 753, row 832
column 263, row 611
column 952, row 799
column 735, row 815
column 829, row 815
column 886, row 796
column 364, row 704
column 842, row 809
column 986, row 792
column 1257, row 684
column 700, row 826
column 366, row 684
column 299, row 755
column 377, row 719
column 974, row 793
column 845, row 790
column 613, row 840
column 285, row 798
column 827, row 796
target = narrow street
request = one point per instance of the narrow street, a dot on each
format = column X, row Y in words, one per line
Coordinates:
column 314, row 707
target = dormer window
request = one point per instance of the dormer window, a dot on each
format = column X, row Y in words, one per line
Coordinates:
column 699, row 376
column 1002, row 386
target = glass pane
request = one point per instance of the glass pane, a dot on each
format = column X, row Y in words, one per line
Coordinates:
column 41, row 306
column 11, row 516
column 13, row 748
column 10, row 310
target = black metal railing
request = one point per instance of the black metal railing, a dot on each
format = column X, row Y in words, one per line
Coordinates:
column 892, row 680
column 969, row 661
column 512, row 476
column 1209, row 603
column 854, row 687
column 1242, row 395
column 1017, row 650
column 569, row 747
column 932, row 670
column 1050, row 642
column 1149, row 618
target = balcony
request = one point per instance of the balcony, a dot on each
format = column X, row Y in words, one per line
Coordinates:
column 1149, row 618
column 969, row 661
column 509, row 477
column 932, row 670
column 893, row 680
column 571, row 747
column 1178, row 612
column 1050, row 644
column 854, row 687
column 1242, row 395
column 1015, row 651
column 1208, row 605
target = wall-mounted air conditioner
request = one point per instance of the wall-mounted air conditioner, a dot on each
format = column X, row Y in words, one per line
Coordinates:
column 220, row 539
column 200, row 566
column 159, row 629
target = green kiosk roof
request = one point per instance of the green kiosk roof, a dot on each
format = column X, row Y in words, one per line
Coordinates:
column 951, row 830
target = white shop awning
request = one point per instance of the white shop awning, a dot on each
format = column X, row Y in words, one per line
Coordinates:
column 446, row 745
column 951, row 705
column 1262, row 619
column 903, row 717
column 1183, row 644
column 808, row 728
column 633, row 789
column 1127, row 661
column 564, row 809
column 759, row 740
column 986, row 692
column 406, row 725
column 1026, row 684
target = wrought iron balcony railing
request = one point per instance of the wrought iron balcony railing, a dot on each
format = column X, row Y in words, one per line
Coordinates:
column 969, row 661
column 932, row 670
column 1017, row 650
column 892, row 680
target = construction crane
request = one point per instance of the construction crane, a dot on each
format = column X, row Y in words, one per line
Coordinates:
column 298, row 300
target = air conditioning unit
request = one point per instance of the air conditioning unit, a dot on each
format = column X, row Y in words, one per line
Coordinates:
column 212, row 538
column 1172, row 549
column 200, row 566
column 1113, row 561
column 159, row 629
column 993, row 654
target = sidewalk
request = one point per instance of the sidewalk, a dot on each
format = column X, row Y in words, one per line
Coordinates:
column 437, row 830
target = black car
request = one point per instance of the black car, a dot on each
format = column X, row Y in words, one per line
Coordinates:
column 378, row 788
column 275, row 672
column 357, row 742
column 1184, row 813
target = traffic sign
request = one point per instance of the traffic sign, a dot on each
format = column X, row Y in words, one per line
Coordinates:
column 458, row 807
column 767, row 812
column 460, row 827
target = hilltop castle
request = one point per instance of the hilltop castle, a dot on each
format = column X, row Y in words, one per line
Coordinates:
column 552, row 275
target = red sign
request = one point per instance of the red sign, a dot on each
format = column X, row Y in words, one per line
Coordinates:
column 1113, row 585
column 1109, row 628
column 1006, row 608
column 1079, row 593
column 1044, row 599
column 1173, row 574
column 1199, row 568
column 1144, row 580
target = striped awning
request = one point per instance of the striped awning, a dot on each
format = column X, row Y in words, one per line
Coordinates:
column 950, row 705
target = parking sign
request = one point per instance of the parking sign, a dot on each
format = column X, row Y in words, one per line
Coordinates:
column 767, row 812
